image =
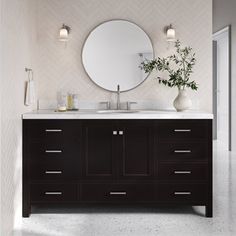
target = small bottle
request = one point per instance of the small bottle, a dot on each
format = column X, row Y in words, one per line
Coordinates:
column 69, row 101
column 61, row 101
column 75, row 101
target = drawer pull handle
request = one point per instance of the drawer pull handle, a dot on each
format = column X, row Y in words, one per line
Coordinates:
column 182, row 172
column 118, row 193
column 121, row 132
column 53, row 151
column 182, row 193
column 115, row 132
column 182, row 151
column 53, row 193
column 182, row 130
column 56, row 172
column 54, row 130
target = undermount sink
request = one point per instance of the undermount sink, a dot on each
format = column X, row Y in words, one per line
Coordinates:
column 116, row 111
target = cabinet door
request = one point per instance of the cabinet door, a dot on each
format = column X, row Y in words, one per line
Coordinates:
column 136, row 149
column 98, row 153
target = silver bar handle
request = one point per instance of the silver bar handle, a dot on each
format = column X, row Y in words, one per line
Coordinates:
column 53, row 151
column 182, row 193
column 182, row 130
column 55, row 172
column 118, row 193
column 53, row 130
column 53, row 193
column 182, row 172
column 182, row 151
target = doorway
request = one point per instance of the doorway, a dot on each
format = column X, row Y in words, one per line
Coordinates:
column 222, row 87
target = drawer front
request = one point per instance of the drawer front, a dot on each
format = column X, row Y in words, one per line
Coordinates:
column 182, row 151
column 53, row 131
column 54, row 170
column 182, row 171
column 56, row 152
column 182, row 193
column 118, row 192
column 54, row 192
column 182, row 130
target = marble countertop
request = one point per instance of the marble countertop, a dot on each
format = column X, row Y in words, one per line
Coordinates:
column 94, row 114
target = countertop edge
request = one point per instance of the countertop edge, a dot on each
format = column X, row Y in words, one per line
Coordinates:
column 140, row 116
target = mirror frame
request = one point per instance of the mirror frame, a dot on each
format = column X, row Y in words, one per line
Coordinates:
column 113, row 91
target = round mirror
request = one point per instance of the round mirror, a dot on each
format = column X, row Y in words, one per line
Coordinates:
column 113, row 52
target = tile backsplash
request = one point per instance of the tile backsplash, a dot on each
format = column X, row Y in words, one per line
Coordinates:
column 59, row 65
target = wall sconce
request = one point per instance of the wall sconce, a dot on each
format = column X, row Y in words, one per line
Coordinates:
column 64, row 33
column 170, row 34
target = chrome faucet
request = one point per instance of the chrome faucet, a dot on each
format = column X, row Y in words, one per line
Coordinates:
column 118, row 98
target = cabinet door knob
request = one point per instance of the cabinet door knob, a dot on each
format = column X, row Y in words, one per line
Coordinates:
column 115, row 132
column 121, row 132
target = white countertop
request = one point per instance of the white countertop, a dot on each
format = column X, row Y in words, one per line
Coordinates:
column 141, row 114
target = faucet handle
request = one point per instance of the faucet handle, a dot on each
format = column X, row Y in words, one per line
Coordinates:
column 108, row 105
column 129, row 105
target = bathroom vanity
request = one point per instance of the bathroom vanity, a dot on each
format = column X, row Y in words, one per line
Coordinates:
column 163, row 158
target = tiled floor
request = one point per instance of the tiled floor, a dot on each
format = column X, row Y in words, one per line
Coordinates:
column 145, row 221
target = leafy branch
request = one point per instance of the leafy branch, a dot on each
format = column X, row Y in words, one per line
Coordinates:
column 179, row 67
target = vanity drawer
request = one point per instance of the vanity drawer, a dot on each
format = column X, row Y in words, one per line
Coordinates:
column 182, row 193
column 54, row 170
column 54, row 192
column 178, row 130
column 56, row 151
column 182, row 171
column 182, row 151
column 118, row 192
column 53, row 131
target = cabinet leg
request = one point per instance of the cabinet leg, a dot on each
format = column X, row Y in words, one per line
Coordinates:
column 26, row 210
column 209, row 210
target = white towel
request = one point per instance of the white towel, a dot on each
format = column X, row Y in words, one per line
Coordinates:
column 30, row 97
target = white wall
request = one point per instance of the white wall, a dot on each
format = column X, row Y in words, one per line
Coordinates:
column 17, row 44
column 61, row 68
column 223, row 15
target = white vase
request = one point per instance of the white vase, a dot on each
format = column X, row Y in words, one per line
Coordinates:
column 182, row 102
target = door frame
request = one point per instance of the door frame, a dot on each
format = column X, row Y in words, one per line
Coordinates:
column 227, row 30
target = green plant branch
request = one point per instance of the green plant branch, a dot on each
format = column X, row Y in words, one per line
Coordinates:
column 184, row 59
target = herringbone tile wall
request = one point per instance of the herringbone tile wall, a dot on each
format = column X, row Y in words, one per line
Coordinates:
column 18, row 39
column 60, row 67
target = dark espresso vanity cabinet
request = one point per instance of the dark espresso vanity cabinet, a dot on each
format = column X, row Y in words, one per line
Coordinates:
column 117, row 150
column 117, row 161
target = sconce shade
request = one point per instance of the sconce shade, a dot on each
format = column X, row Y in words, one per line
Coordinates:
column 170, row 34
column 64, row 33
